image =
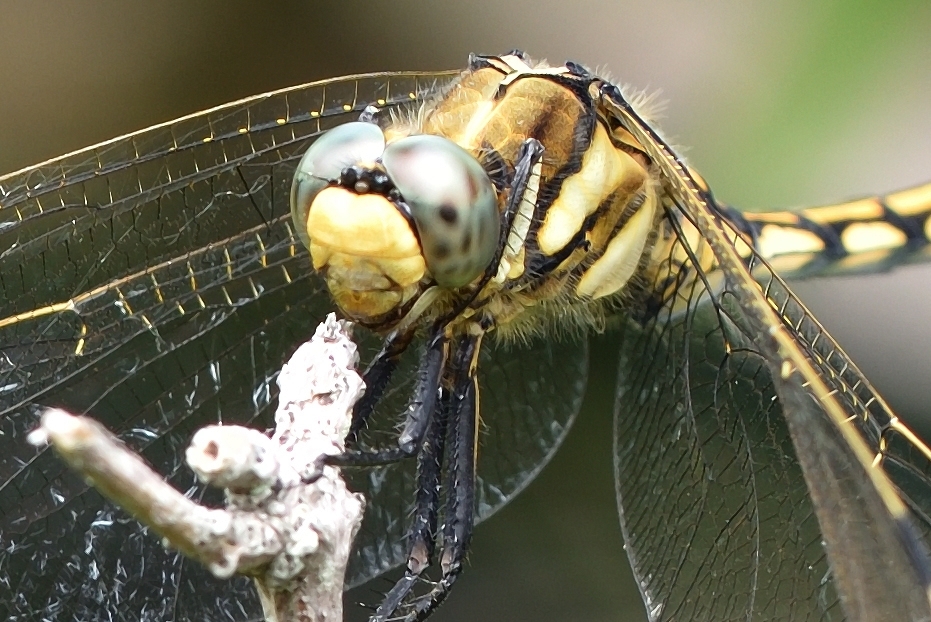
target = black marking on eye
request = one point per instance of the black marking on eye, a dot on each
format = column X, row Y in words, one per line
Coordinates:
column 448, row 214
column 441, row 251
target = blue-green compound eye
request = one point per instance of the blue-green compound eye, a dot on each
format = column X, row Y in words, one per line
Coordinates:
column 453, row 203
column 337, row 149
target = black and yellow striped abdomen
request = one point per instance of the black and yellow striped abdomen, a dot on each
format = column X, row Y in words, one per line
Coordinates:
column 862, row 235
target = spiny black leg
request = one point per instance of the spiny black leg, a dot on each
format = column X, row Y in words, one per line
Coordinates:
column 423, row 404
column 459, row 518
column 419, row 413
column 376, row 378
column 524, row 186
column 421, row 540
column 455, row 420
column 526, row 178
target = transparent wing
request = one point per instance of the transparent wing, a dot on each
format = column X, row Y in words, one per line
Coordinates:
column 530, row 395
column 746, row 443
column 155, row 283
column 716, row 515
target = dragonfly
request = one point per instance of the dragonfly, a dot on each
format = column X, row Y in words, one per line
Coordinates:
column 159, row 280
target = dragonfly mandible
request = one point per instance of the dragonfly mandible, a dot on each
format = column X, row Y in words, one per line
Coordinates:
column 157, row 282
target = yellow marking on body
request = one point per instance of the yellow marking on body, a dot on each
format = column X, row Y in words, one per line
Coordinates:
column 243, row 130
column 478, row 118
column 226, row 295
column 613, row 269
column 786, row 370
column 208, row 139
column 927, row 228
column 789, row 263
column 603, row 169
column 743, row 246
column 912, row 201
column 863, row 209
column 864, row 259
column 775, row 240
column 788, row 219
column 229, row 263
column 621, row 136
column 180, row 308
column 255, row 290
column 697, row 177
column 859, row 237
column 516, row 269
column 281, row 121
column 287, row 275
column 314, row 114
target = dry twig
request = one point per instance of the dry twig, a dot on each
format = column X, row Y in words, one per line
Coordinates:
column 289, row 520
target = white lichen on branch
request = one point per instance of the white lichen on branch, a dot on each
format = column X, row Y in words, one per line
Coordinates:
column 289, row 520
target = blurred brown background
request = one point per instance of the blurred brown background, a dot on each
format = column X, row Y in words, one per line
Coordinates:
column 780, row 104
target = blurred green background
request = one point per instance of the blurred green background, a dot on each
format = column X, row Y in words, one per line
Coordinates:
column 779, row 104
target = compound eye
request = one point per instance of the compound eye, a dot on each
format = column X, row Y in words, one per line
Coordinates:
column 322, row 163
column 453, row 203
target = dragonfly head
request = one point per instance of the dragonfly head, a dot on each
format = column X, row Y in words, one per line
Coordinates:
column 385, row 221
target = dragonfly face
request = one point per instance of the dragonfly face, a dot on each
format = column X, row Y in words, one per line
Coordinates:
column 373, row 245
column 159, row 285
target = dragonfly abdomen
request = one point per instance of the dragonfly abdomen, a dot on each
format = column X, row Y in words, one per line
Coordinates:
column 864, row 235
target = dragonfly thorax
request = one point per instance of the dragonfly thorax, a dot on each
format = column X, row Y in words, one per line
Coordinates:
column 510, row 193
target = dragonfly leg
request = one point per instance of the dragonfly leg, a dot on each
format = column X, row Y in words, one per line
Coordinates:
column 459, row 518
column 419, row 413
column 376, row 378
column 421, row 543
column 456, row 420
